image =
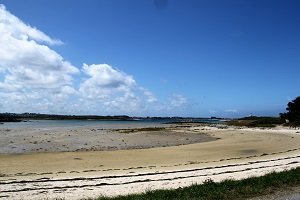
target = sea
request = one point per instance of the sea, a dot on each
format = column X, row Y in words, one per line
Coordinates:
column 105, row 124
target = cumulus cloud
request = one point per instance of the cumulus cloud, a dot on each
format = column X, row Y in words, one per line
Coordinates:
column 105, row 81
column 113, row 89
column 35, row 78
column 25, row 60
column 31, row 70
column 12, row 25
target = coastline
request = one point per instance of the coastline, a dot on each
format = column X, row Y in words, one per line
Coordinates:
column 239, row 153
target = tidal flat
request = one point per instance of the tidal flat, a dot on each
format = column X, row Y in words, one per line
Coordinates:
column 96, row 138
column 144, row 158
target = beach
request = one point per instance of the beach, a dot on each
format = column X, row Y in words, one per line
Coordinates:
column 134, row 160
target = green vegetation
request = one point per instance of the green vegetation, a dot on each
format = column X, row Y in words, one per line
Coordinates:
column 6, row 117
column 293, row 112
column 254, row 121
column 142, row 129
column 290, row 118
column 228, row 189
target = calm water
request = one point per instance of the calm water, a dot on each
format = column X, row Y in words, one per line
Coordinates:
column 91, row 123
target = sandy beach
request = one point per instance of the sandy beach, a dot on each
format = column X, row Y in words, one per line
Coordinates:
column 104, row 99
column 136, row 160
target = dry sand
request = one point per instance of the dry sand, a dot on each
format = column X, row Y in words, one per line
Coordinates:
column 238, row 153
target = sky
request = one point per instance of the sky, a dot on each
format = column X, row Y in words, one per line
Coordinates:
column 192, row 58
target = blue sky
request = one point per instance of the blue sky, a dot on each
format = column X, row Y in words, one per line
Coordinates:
column 157, row 58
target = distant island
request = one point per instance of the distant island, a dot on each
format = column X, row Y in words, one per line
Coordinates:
column 16, row 117
column 19, row 117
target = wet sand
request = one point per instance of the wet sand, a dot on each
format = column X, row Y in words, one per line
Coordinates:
column 29, row 140
column 238, row 153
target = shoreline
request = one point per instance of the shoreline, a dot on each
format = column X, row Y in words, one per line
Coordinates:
column 239, row 153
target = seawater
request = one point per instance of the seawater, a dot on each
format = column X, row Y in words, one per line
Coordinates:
column 105, row 124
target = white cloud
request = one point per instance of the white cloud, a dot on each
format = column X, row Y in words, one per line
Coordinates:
column 31, row 70
column 35, row 78
column 104, row 81
column 113, row 90
column 149, row 95
column 11, row 25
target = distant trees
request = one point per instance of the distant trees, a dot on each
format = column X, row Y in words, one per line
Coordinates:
column 5, row 117
column 293, row 112
column 9, row 118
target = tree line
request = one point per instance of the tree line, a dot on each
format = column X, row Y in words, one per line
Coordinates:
column 292, row 116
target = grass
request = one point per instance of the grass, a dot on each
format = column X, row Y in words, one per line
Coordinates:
column 142, row 129
column 266, row 122
column 228, row 189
